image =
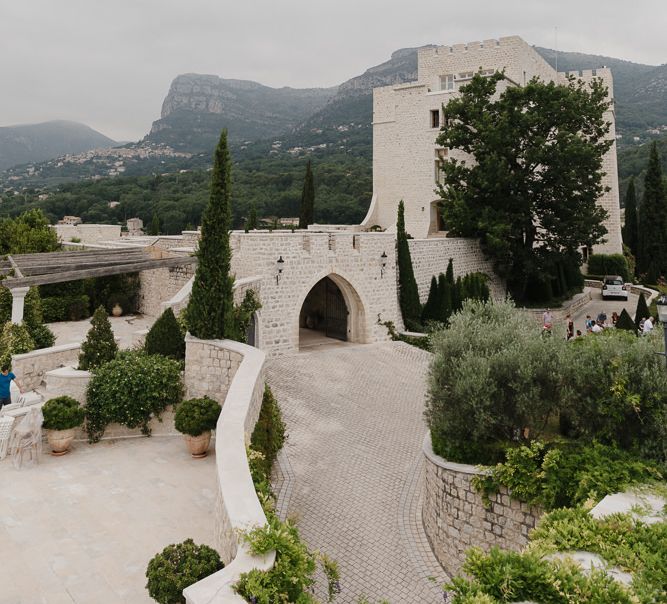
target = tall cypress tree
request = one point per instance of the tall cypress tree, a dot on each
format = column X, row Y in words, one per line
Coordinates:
column 444, row 299
column 210, row 312
column 251, row 223
column 450, row 271
column 430, row 308
column 307, row 215
column 641, row 312
column 407, row 285
column 652, row 256
column 630, row 230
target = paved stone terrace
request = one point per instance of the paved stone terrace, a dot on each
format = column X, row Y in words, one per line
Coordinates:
column 351, row 470
column 80, row 529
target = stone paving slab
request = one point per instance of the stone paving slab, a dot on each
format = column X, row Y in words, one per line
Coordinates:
column 80, row 529
column 355, row 425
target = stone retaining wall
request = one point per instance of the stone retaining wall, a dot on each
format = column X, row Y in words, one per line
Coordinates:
column 431, row 256
column 456, row 519
column 233, row 374
column 161, row 284
column 31, row 367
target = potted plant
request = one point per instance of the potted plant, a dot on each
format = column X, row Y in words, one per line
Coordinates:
column 62, row 415
column 195, row 418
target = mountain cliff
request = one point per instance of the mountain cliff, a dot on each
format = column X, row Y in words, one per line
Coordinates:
column 28, row 143
column 198, row 107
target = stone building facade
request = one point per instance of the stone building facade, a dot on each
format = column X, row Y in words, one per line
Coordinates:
column 407, row 119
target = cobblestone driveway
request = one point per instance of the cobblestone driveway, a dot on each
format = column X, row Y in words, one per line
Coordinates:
column 350, row 472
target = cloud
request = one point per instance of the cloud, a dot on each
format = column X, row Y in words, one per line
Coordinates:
column 109, row 64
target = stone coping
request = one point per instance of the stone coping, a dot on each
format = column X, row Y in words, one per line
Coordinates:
column 69, row 372
column 413, row 334
column 434, row 458
column 235, row 484
column 45, row 351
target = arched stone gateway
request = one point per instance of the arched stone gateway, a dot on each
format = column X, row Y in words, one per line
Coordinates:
column 332, row 308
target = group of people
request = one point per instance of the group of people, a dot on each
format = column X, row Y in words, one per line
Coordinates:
column 597, row 325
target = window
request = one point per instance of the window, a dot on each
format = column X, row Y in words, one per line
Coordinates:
column 435, row 118
column 447, row 82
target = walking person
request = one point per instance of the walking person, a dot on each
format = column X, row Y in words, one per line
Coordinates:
column 547, row 319
column 6, row 377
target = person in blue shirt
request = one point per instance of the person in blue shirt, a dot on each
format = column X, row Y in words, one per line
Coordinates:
column 6, row 377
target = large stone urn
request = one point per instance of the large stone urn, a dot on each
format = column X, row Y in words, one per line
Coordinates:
column 198, row 445
column 60, row 440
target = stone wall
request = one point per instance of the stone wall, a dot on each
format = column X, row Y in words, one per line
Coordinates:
column 351, row 260
column 240, row 369
column 430, row 257
column 456, row 519
column 87, row 233
column 31, row 367
column 159, row 285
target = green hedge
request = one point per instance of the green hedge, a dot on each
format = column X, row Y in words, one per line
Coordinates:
column 609, row 264
column 66, row 308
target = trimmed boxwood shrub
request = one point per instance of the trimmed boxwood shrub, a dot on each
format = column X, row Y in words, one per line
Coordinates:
column 197, row 415
column 178, row 566
column 130, row 390
column 166, row 337
column 62, row 413
column 15, row 339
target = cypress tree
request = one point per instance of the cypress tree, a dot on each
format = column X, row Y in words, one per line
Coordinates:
column 307, row 215
column 251, row 223
column 100, row 346
column 155, row 224
column 625, row 322
column 210, row 312
column 450, row 271
column 430, row 308
column 630, row 229
column 642, row 311
column 458, row 295
column 165, row 337
column 444, row 299
column 652, row 252
column 407, row 285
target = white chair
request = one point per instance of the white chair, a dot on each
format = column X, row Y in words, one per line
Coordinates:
column 26, row 440
column 6, row 424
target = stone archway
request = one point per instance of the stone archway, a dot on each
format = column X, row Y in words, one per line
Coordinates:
column 331, row 309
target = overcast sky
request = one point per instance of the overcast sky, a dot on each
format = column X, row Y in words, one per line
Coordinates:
column 109, row 63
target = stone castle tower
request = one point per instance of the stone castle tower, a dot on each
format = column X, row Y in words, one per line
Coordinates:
column 407, row 118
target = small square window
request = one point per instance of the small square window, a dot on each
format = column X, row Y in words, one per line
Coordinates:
column 447, row 82
column 435, row 118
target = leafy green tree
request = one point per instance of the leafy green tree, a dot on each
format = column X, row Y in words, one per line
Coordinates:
column 27, row 234
column 625, row 322
column 408, row 292
column 165, row 337
column 530, row 195
column 307, row 212
column 642, row 311
column 210, row 312
column 652, row 249
column 100, row 346
column 631, row 228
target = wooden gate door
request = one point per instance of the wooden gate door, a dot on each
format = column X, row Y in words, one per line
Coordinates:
column 336, row 313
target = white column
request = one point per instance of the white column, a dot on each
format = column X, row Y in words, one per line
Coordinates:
column 18, row 300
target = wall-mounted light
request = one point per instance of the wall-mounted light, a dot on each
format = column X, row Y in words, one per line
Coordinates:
column 280, row 263
column 383, row 263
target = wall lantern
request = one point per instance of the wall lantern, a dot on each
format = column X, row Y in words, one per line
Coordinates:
column 280, row 263
column 383, row 263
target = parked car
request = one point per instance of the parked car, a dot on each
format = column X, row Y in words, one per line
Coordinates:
column 613, row 287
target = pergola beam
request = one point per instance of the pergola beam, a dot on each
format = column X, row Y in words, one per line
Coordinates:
column 111, row 269
column 17, row 270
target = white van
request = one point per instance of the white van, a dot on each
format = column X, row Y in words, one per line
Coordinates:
column 613, row 287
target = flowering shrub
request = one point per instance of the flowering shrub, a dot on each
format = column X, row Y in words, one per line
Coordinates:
column 130, row 390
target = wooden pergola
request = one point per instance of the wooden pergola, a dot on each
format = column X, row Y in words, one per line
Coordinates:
column 22, row 271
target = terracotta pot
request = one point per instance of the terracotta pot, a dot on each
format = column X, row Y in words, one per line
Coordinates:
column 117, row 310
column 198, row 445
column 60, row 440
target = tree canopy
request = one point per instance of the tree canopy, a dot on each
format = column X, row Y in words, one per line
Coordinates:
column 530, row 172
column 29, row 233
